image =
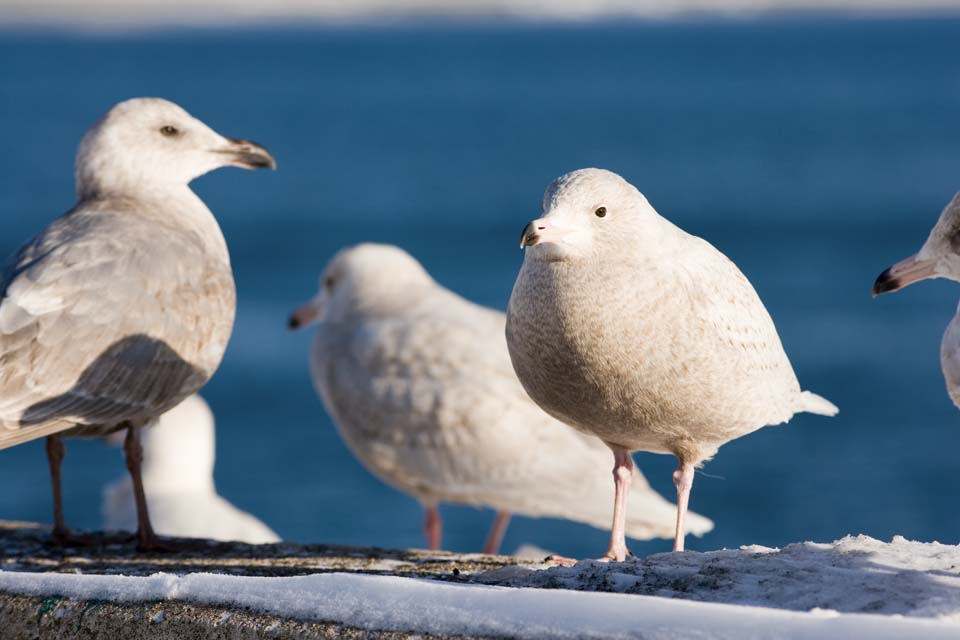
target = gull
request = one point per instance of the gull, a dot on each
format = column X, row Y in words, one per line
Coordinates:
column 178, row 457
column 624, row 326
column 939, row 257
column 419, row 384
column 123, row 306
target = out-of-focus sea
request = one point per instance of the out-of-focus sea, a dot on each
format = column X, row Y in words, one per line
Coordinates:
column 813, row 152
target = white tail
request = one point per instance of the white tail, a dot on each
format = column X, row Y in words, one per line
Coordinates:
column 812, row 403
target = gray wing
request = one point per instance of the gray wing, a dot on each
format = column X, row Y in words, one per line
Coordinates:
column 107, row 317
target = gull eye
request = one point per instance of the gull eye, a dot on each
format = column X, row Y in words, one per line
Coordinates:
column 601, row 212
column 328, row 282
column 169, row 131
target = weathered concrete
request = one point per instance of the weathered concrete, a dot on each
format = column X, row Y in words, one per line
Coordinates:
column 25, row 618
column 903, row 579
column 27, row 547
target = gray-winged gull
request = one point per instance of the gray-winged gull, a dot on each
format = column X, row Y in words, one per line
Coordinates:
column 122, row 307
column 939, row 257
column 178, row 457
column 419, row 384
column 626, row 327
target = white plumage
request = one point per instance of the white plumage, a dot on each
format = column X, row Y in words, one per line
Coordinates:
column 178, row 460
column 123, row 306
column 939, row 257
column 420, row 386
column 624, row 326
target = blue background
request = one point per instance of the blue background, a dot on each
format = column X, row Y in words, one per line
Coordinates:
column 814, row 153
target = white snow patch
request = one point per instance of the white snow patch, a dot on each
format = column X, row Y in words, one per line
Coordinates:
column 407, row 604
column 857, row 574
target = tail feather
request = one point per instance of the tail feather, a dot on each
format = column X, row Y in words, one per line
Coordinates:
column 812, row 403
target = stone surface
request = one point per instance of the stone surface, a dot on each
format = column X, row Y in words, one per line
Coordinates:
column 27, row 547
column 26, row 618
column 901, row 580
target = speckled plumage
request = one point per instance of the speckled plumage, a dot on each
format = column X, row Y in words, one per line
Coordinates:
column 652, row 339
column 420, row 386
column 626, row 327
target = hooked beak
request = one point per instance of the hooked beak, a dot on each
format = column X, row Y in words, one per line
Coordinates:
column 306, row 314
column 247, row 155
column 904, row 273
column 542, row 231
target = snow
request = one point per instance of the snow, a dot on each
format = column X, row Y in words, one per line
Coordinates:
column 856, row 574
column 406, row 604
column 805, row 590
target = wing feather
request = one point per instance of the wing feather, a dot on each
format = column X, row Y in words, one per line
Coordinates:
column 429, row 402
column 107, row 317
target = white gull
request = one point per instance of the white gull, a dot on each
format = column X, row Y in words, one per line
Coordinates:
column 939, row 257
column 178, row 459
column 419, row 384
column 123, row 306
column 626, row 327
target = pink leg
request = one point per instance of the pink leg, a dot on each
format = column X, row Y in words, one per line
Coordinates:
column 683, row 480
column 492, row 546
column 622, row 476
column 432, row 527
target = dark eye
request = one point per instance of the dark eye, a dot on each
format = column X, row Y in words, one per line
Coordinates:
column 328, row 282
column 169, row 131
column 601, row 211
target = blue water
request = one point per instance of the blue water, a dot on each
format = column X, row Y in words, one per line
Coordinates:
column 813, row 153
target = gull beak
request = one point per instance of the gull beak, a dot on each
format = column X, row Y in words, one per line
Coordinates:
column 247, row 155
column 542, row 231
column 904, row 273
column 306, row 314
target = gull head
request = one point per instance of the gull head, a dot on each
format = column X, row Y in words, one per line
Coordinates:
column 584, row 210
column 939, row 257
column 364, row 280
column 146, row 144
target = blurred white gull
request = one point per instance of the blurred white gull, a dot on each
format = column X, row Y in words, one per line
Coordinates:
column 939, row 257
column 626, row 327
column 419, row 384
column 178, row 457
column 122, row 307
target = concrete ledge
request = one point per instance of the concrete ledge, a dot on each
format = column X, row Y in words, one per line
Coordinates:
column 27, row 547
column 26, row 618
column 855, row 587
